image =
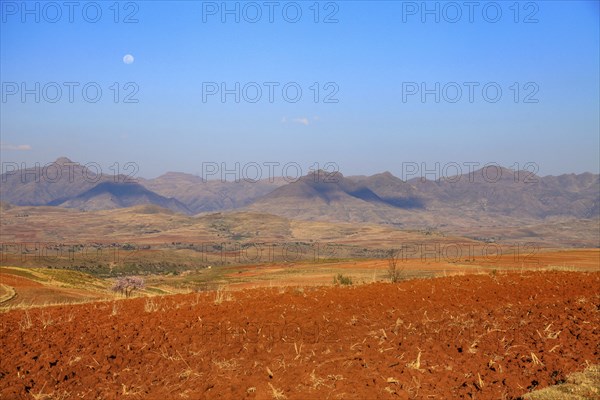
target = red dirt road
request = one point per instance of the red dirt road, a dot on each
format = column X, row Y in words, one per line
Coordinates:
column 474, row 336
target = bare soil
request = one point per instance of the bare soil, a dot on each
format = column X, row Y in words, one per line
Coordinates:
column 487, row 336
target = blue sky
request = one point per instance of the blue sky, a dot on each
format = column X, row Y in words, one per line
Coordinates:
column 371, row 57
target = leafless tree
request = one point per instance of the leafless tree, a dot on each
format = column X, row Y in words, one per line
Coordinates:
column 395, row 270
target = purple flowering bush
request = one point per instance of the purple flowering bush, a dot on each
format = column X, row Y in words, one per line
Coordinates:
column 127, row 284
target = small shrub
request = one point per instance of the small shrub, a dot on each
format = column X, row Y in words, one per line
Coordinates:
column 341, row 279
column 395, row 272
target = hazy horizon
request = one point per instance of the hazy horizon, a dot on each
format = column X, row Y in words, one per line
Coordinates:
column 255, row 170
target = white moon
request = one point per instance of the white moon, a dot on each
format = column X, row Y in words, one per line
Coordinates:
column 128, row 59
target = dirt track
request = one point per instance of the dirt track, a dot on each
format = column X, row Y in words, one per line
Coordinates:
column 478, row 336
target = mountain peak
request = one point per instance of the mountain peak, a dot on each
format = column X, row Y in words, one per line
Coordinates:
column 62, row 161
column 321, row 175
column 386, row 175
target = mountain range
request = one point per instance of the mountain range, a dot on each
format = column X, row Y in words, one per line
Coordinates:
column 513, row 198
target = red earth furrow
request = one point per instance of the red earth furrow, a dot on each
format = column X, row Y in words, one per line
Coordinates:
column 474, row 336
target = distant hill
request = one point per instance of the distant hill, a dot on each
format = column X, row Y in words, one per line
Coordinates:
column 58, row 182
column 109, row 195
column 209, row 195
column 318, row 186
column 514, row 193
column 319, row 196
column 393, row 190
column 510, row 197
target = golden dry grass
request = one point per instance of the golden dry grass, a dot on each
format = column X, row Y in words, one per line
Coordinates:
column 583, row 385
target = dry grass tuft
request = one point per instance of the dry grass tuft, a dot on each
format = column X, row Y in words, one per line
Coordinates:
column 579, row 386
column 46, row 320
column 115, row 309
column 315, row 380
column 415, row 364
column 151, row 306
column 276, row 393
column 228, row 365
column 26, row 322
column 221, row 296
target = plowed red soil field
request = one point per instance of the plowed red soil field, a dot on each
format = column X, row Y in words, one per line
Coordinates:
column 475, row 336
